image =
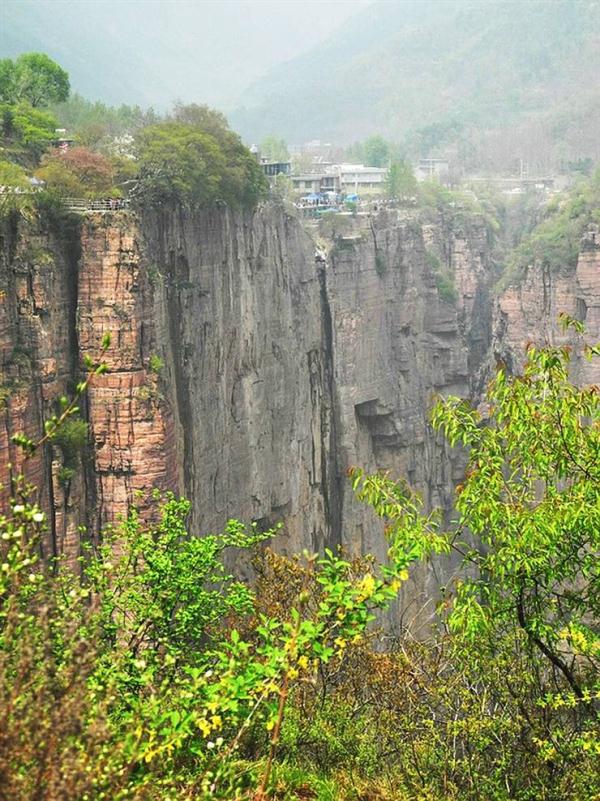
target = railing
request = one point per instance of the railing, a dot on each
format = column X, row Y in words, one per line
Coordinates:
column 84, row 204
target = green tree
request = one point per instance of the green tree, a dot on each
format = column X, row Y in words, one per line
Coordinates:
column 26, row 131
column 400, row 181
column 531, row 504
column 531, row 498
column 182, row 163
column 373, row 152
column 274, row 149
column 33, row 78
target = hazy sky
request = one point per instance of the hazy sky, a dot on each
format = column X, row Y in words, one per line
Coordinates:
column 155, row 51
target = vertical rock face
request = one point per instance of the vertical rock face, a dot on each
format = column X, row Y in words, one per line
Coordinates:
column 397, row 343
column 238, row 311
column 131, row 425
column 250, row 376
column 529, row 312
column 38, row 354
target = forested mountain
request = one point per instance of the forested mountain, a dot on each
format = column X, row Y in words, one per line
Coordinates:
column 429, row 73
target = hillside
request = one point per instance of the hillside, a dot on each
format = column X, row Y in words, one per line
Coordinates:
column 428, row 74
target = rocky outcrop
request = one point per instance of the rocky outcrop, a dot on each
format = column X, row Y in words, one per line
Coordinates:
column 528, row 311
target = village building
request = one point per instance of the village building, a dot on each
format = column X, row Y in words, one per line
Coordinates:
column 273, row 168
column 316, row 183
column 357, row 178
column 432, row 169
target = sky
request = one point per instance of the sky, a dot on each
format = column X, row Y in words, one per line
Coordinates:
column 152, row 52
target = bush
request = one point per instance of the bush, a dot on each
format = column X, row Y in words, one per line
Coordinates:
column 71, row 438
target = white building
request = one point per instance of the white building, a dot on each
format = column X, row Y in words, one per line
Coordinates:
column 356, row 177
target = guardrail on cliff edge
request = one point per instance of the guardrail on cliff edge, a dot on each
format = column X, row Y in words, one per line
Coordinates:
column 84, row 204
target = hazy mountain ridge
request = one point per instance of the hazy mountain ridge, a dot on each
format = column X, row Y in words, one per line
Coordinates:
column 396, row 68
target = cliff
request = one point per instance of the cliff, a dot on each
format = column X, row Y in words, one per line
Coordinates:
column 248, row 374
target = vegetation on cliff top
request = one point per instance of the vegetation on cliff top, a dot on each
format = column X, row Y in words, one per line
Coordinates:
column 196, row 159
column 191, row 158
column 555, row 242
column 161, row 676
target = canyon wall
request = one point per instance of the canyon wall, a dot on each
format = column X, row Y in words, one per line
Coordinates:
column 249, row 371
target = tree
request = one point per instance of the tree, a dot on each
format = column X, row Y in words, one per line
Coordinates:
column 26, row 131
column 78, row 172
column 377, row 151
column 529, row 510
column 531, row 498
column 207, row 119
column 400, row 181
column 33, row 78
column 184, row 163
column 302, row 163
column 373, row 152
column 274, row 149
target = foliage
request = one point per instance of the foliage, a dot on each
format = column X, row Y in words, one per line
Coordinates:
column 15, row 190
column 400, row 181
column 380, row 264
column 532, row 498
column 33, row 78
column 13, row 176
column 500, row 702
column 197, row 162
column 373, row 152
column 155, row 363
column 274, row 149
column 162, row 675
column 77, row 172
column 165, row 690
column 71, row 438
column 444, row 278
column 26, row 131
column 96, row 125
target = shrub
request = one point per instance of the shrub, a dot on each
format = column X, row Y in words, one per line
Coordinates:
column 71, row 438
column 155, row 363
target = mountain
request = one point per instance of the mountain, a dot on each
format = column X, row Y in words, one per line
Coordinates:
column 152, row 52
column 431, row 72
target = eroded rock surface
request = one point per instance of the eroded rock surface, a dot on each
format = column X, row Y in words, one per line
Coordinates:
column 248, row 374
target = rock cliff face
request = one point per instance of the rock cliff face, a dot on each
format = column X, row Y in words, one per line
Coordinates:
column 249, row 375
column 529, row 311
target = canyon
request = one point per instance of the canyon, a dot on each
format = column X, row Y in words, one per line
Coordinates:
column 254, row 358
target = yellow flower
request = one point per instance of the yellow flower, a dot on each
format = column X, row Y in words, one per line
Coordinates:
column 292, row 673
column 303, row 662
column 204, row 726
column 216, row 721
column 366, row 587
column 340, row 642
